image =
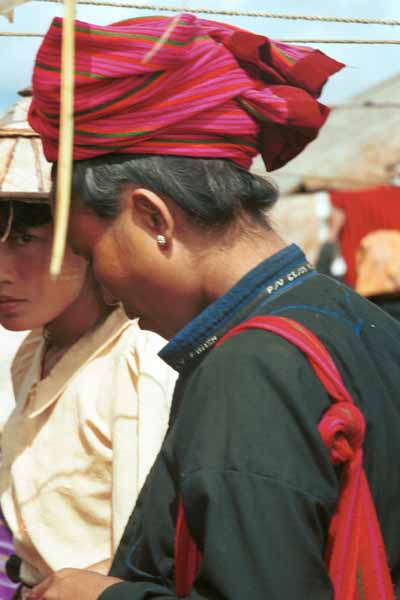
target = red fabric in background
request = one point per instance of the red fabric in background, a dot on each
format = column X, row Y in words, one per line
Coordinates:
column 366, row 210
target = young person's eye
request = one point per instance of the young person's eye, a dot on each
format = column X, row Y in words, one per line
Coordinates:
column 22, row 239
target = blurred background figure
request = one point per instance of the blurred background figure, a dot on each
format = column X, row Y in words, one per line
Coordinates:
column 363, row 242
column 378, row 270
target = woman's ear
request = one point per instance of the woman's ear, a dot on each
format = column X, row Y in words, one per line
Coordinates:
column 152, row 213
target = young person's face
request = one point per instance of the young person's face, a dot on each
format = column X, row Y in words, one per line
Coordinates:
column 29, row 297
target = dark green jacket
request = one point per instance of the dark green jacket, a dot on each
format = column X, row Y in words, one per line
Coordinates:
column 243, row 448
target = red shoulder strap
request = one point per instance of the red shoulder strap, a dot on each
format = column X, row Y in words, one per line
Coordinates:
column 355, row 552
column 187, row 555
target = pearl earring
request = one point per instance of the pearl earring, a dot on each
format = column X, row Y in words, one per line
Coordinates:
column 161, row 240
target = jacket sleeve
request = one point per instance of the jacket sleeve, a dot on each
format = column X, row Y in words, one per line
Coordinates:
column 262, row 540
column 256, row 482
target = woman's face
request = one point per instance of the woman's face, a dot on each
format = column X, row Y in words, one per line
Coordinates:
column 29, row 298
column 156, row 285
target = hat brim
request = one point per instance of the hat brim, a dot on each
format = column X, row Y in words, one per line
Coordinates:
column 33, row 198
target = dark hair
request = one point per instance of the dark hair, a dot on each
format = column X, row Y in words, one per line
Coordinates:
column 25, row 215
column 211, row 192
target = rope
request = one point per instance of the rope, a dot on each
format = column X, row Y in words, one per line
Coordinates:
column 308, row 179
column 18, row 34
column 366, row 104
column 234, row 13
column 286, row 40
column 325, row 41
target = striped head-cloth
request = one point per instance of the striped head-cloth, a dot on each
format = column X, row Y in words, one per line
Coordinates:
column 210, row 90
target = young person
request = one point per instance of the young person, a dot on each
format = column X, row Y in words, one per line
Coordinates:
column 92, row 403
column 176, row 227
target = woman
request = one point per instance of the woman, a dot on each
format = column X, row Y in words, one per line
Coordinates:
column 92, row 400
column 191, row 236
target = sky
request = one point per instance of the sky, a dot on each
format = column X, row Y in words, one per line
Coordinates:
column 366, row 65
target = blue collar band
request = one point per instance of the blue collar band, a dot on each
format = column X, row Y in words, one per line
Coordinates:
column 269, row 278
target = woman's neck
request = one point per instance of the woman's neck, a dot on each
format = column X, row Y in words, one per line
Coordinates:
column 210, row 271
column 228, row 265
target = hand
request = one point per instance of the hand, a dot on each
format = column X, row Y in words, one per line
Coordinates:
column 72, row 584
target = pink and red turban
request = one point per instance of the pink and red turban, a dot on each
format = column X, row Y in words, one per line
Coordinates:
column 211, row 90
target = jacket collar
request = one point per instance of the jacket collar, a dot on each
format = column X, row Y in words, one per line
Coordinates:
column 271, row 277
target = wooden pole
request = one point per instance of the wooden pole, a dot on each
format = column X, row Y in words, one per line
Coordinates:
column 66, row 135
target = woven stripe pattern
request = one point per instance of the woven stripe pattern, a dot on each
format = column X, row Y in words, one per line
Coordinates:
column 208, row 89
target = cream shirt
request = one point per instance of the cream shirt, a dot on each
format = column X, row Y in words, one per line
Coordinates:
column 79, row 444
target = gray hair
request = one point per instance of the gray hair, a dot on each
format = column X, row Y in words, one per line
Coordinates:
column 211, row 192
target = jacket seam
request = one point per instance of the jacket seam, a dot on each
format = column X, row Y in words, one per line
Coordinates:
column 269, row 477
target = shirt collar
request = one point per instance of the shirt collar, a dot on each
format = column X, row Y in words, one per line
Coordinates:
column 205, row 329
column 40, row 394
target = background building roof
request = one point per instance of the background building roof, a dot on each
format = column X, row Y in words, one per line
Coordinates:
column 359, row 146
